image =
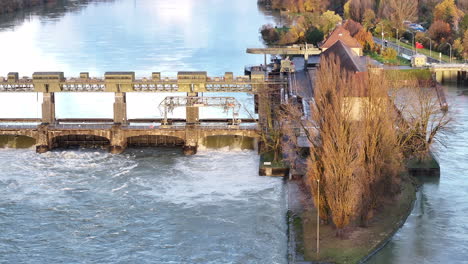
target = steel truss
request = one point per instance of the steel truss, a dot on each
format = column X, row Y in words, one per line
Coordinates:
column 227, row 103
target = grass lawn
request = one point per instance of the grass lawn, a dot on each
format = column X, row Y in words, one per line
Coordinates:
column 429, row 163
column 399, row 61
column 409, row 74
column 359, row 241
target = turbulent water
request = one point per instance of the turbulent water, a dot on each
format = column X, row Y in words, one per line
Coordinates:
column 156, row 205
column 145, row 206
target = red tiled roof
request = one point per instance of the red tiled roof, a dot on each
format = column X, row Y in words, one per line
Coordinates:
column 340, row 33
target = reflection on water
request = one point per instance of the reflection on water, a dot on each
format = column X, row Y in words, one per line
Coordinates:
column 437, row 229
column 128, row 35
column 134, row 35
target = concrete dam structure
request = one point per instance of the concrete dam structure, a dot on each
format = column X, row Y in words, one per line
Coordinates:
column 118, row 133
column 451, row 73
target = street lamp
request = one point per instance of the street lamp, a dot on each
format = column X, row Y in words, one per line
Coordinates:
column 450, row 50
column 383, row 43
column 412, row 33
column 318, row 217
column 382, row 38
column 430, row 46
column 398, row 45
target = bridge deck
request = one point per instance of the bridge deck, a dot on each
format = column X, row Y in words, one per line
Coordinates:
column 285, row 51
column 181, row 126
column 111, row 121
column 218, row 84
column 450, row 66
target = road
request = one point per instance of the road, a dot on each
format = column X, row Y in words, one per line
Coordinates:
column 404, row 50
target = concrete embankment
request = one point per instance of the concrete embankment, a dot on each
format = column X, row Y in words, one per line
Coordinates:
column 7, row 141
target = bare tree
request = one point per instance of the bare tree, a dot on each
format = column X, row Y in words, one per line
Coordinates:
column 398, row 11
column 381, row 160
column 424, row 121
column 359, row 7
column 270, row 132
column 355, row 154
column 335, row 154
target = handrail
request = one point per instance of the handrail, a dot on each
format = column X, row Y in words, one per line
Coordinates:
column 130, row 127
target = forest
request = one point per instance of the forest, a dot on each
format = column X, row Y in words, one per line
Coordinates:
column 445, row 22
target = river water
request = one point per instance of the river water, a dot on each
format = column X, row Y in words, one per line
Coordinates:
column 156, row 205
column 146, row 205
column 437, row 229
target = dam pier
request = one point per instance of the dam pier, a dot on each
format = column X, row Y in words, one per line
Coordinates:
column 119, row 132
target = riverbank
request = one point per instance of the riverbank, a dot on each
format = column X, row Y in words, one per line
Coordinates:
column 10, row 6
column 360, row 243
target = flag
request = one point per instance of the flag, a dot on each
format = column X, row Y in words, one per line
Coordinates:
column 419, row 45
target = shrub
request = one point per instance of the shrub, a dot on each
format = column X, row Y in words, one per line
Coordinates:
column 389, row 54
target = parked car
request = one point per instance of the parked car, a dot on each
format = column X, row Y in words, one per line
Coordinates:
column 416, row 27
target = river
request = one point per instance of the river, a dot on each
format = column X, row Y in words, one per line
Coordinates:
column 437, row 229
column 156, row 205
column 146, row 205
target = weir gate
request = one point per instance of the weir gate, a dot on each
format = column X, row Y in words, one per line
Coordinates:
column 451, row 73
column 120, row 132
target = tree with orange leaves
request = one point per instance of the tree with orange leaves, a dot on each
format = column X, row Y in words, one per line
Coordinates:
column 365, row 39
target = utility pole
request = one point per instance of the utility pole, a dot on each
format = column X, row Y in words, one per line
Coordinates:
column 318, row 218
column 430, row 46
column 397, row 40
column 450, row 45
column 382, row 40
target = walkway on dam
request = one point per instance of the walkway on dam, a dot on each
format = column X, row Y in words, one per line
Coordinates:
column 176, row 126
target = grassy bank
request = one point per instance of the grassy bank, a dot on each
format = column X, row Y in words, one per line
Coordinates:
column 360, row 242
column 399, row 61
column 409, row 75
column 430, row 162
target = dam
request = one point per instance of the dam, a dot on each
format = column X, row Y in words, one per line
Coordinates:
column 118, row 132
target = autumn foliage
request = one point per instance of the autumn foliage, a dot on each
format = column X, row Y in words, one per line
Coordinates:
column 447, row 20
column 439, row 30
column 356, row 161
column 365, row 39
column 448, row 12
column 299, row 5
column 310, row 27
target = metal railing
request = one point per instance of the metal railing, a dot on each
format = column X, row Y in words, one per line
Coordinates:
column 80, row 126
column 451, row 65
column 206, row 126
column 17, row 126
